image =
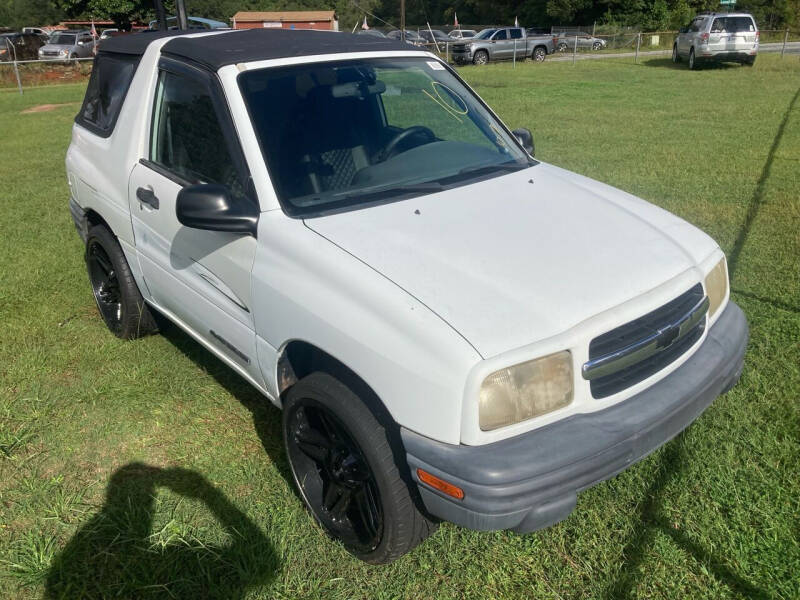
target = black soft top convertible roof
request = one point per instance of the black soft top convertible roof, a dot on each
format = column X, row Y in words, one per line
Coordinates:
column 232, row 47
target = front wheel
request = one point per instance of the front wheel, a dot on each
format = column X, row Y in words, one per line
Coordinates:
column 539, row 54
column 675, row 58
column 750, row 61
column 117, row 296
column 481, row 57
column 597, row 46
column 562, row 46
column 342, row 463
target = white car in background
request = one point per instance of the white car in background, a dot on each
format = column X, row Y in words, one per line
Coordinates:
column 453, row 329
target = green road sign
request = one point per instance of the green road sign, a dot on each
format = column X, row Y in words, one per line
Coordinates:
column 728, row 2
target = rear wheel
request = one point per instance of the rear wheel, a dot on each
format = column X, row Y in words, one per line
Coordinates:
column 481, row 57
column 539, row 54
column 343, row 465
column 692, row 63
column 597, row 46
column 117, row 296
column 562, row 46
column 750, row 61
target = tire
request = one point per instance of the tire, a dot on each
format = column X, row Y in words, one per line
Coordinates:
column 481, row 57
column 343, row 465
column 692, row 64
column 539, row 54
column 562, row 47
column 750, row 61
column 116, row 294
column 675, row 57
column 597, row 46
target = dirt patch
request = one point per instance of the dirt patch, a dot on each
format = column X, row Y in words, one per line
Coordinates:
column 46, row 107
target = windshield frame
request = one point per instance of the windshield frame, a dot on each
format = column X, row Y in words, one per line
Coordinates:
column 296, row 212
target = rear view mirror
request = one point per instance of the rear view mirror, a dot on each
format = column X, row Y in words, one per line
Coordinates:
column 213, row 207
column 525, row 138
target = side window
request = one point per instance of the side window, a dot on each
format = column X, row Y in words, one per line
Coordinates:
column 187, row 137
column 108, row 85
column 500, row 35
column 697, row 25
column 516, row 34
column 718, row 26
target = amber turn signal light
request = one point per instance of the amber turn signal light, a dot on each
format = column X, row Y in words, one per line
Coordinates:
column 440, row 484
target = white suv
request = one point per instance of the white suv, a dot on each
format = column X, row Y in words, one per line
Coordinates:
column 717, row 37
column 453, row 329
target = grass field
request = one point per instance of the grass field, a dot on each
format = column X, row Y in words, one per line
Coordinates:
column 148, row 469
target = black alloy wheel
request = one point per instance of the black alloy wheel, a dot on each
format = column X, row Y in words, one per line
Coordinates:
column 105, row 284
column 115, row 291
column 336, row 480
column 343, row 451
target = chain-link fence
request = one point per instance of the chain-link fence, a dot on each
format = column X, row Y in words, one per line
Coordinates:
column 567, row 45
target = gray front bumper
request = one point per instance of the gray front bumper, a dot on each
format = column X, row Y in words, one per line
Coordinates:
column 531, row 481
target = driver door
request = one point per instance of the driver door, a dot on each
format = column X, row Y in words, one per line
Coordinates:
column 199, row 277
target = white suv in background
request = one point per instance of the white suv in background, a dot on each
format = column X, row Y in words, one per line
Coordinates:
column 718, row 37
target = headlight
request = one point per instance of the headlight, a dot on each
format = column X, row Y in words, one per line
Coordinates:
column 524, row 391
column 65, row 52
column 716, row 286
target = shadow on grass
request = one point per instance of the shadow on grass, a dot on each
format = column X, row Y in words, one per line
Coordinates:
column 673, row 458
column 116, row 554
column 266, row 418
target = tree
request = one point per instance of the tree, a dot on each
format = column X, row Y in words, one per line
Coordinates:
column 122, row 12
column 16, row 14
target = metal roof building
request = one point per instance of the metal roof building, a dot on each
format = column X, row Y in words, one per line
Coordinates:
column 291, row 19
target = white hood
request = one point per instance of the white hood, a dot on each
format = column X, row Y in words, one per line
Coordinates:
column 507, row 262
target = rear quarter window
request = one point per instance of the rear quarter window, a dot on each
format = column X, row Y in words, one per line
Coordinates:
column 105, row 94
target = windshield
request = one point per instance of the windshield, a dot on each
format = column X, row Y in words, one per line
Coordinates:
column 485, row 34
column 66, row 39
column 345, row 134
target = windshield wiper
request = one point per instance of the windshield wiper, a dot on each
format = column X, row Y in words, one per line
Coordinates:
column 508, row 166
column 389, row 192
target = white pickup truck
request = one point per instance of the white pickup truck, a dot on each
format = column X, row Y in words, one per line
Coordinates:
column 453, row 329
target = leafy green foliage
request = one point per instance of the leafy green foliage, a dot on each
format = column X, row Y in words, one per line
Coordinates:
column 16, row 14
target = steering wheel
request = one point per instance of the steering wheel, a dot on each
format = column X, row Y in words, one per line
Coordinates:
column 391, row 148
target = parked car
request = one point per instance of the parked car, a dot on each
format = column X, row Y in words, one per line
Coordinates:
column 412, row 37
column 566, row 41
column 19, row 46
column 372, row 32
column 194, row 23
column 43, row 33
column 68, row 45
column 718, row 37
column 500, row 44
column 461, row 34
column 453, row 329
column 435, row 35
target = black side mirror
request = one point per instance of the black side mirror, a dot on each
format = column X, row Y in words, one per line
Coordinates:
column 212, row 206
column 525, row 137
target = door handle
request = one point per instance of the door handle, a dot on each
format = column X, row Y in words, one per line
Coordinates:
column 148, row 197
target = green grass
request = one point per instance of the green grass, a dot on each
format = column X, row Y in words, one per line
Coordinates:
column 148, row 469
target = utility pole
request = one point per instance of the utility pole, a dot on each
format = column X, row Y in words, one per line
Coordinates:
column 161, row 16
column 403, row 20
column 180, row 8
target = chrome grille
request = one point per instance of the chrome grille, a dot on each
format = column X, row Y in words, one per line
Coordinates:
column 636, row 350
